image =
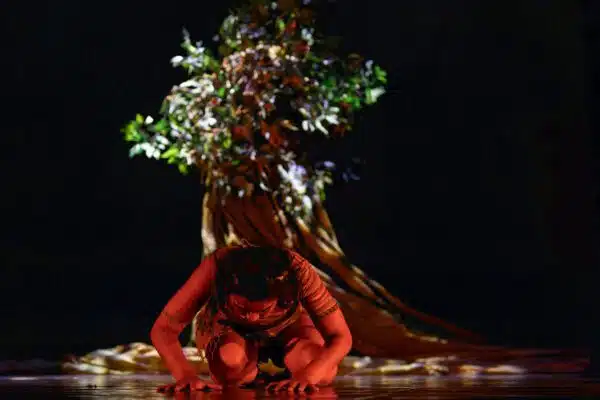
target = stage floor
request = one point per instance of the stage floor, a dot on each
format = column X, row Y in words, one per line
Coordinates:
column 359, row 388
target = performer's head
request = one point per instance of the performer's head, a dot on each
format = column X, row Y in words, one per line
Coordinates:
column 258, row 274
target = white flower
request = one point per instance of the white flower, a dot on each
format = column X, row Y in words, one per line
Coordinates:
column 148, row 120
column 282, row 172
column 304, row 112
column 177, row 60
column 376, row 93
column 295, row 177
column 307, row 202
column 187, row 155
column 150, row 150
column 332, row 119
column 161, row 139
column 201, row 88
column 162, row 142
column 297, row 170
column 207, row 122
column 307, row 35
column 264, row 187
column 308, row 126
column 189, row 83
column 319, row 125
column 274, row 52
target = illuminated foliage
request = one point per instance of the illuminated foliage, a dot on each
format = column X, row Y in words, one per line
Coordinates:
column 245, row 116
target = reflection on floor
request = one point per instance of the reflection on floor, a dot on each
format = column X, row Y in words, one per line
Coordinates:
column 360, row 387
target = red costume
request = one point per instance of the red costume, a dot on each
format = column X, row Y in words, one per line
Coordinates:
column 300, row 299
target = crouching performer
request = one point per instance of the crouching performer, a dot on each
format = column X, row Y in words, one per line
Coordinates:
column 255, row 304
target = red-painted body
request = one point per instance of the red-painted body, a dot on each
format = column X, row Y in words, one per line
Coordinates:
column 295, row 314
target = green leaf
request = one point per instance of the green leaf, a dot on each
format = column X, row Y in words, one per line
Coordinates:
column 172, row 152
column 164, row 106
column 227, row 143
column 330, row 82
column 139, row 118
column 221, row 92
column 380, row 74
column 213, row 65
column 131, row 132
column 207, row 61
column 369, row 97
column 280, row 25
column 233, row 44
column 183, row 168
column 322, row 195
column 161, row 126
column 313, row 57
column 354, row 101
column 222, row 111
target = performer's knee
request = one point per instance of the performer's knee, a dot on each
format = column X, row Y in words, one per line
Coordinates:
column 233, row 355
column 230, row 361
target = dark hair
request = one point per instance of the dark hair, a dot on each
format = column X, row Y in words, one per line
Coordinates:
column 256, row 273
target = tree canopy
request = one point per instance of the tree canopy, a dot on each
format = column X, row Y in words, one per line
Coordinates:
column 247, row 117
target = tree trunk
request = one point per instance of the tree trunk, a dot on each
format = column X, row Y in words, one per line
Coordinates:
column 259, row 219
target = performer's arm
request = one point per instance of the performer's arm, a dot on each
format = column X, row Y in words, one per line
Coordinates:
column 177, row 314
column 338, row 342
column 327, row 316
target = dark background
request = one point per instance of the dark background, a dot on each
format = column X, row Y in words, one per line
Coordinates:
column 477, row 203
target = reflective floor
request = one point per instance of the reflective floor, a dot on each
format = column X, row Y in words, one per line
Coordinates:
column 360, row 388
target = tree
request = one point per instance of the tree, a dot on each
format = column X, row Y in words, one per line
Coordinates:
column 255, row 121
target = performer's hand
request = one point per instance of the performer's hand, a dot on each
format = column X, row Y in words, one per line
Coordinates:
column 189, row 385
column 292, row 385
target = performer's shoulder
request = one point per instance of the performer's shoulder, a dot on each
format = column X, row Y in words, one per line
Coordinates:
column 296, row 260
column 293, row 254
